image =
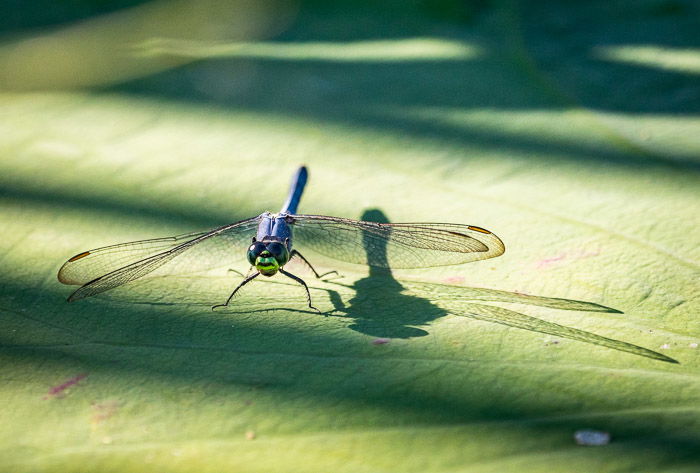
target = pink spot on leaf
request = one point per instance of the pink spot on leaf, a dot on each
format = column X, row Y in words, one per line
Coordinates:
column 59, row 389
column 454, row 280
column 380, row 341
column 543, row 263
column 570, row 256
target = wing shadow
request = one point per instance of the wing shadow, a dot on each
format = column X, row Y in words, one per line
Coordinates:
column 412, row 309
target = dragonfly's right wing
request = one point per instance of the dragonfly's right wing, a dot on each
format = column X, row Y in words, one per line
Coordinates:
column 111, row 266
column 88, row 265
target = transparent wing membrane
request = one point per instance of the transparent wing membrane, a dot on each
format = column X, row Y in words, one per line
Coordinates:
column 86, row 266
column 111, row 266
column 394, row 245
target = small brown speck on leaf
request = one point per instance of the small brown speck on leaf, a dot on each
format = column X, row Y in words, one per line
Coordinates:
column 101, row 411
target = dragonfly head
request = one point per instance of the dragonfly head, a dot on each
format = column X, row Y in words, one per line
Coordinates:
column 268, row 257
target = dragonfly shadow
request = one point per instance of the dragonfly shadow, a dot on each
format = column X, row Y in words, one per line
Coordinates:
column 411, row 308
column 380, row 290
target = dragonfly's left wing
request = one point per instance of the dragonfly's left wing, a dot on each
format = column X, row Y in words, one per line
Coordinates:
column 108, row 267
column 394, row 245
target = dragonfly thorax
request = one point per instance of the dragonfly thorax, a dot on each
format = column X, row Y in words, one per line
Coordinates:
column 268, row 256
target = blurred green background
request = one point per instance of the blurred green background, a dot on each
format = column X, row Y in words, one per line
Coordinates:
column 569, row 129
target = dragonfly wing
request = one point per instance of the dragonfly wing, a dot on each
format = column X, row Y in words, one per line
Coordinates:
column 108, row 267
column 395, row 245
column 88, row 265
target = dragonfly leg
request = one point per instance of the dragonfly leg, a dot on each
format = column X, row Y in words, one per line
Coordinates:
column 243, row 283
column 318, row 276
column 235, row 271
column 300, row 281
column 231, row 270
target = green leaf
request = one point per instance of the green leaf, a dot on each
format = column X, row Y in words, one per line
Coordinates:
column 570, row 131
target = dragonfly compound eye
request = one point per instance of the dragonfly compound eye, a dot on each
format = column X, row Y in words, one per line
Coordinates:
column 279, row 252
column 254, row 251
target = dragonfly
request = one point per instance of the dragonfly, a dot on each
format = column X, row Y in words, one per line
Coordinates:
column 269, row 241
